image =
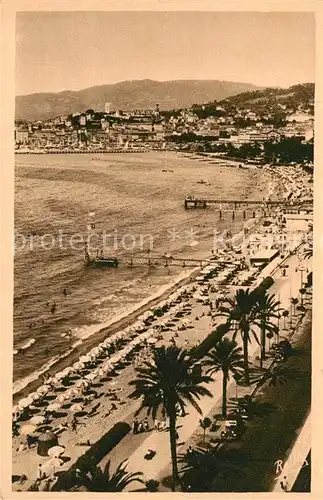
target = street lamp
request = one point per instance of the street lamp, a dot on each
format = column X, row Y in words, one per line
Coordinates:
column 285, row 314
column 301, row 268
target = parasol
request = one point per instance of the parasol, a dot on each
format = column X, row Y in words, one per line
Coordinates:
column 43, row 389
column 37, row 420
column 61, row 398
column 56, row 451
column 91, row 376
column 78, row 366
column 85, row 359
column 81, row 383
column 76, row 407
column 53, row 407
column 27, row 429
column 25, row 402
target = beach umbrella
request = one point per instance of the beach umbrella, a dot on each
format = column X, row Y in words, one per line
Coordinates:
column 85, row 359
column 25, row 402
column 78, row 365
column 63, row 373
column 27, row 429
column 73, row 391
column 91, row 376
column 56, row 451
column 80, row 383
column 53, row 407
column 43, row 389
column 61, row 398
column 37, row 420
column 76, row 407
column 34, row 396
column 152, row 341
column 115, row 359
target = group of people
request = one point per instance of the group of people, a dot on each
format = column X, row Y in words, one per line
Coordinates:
column 140, row 426
column 143, row 426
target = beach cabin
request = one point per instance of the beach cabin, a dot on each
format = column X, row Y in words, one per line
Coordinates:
column 264, row 257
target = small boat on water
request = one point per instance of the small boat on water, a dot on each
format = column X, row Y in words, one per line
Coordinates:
column 100, row 260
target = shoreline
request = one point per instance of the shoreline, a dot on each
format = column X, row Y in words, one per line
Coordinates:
column 82, row 347
column 22, row 387
column 116, row 324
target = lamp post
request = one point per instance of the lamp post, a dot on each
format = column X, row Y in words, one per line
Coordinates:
column 301, row 268
column 278, row 322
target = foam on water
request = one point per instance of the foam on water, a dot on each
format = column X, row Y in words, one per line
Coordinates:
column 87, row 331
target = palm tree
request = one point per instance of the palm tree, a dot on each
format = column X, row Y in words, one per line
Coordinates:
column 294, row 302
column 226, row 356
column 242, row 309
column 167, row 382
column 268, row 309
column 99, row 480
column 277, row 375
column 205, row 424
column 308, row 251
column 202, row 467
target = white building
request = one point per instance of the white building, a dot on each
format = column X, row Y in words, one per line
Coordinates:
column 107, row 107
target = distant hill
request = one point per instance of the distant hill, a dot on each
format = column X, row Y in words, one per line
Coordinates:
column 293, row 96
column 136, row 94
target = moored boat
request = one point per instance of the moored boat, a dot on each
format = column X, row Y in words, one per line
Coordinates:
column 100, row 260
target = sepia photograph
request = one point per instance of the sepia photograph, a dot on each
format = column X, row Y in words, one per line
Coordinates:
column 162, row 251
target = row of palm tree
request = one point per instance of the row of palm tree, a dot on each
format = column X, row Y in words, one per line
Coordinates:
column 247, row 310
column 169, row 381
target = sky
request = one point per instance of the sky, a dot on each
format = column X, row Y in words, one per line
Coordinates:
column 58, row 51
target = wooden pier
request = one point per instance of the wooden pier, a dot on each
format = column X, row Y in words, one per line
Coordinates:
column 152, row 261
column 191, row 202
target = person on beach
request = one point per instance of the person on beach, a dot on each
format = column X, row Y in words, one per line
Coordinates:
column 53, row 308
column 140, row 427
column 65, row 292
column 284, row 484
column 40, row 473
column 163, row 425
column 157, row 424
column 135, row 426
column 74, row 424
column 146, row 425
column 30, row 441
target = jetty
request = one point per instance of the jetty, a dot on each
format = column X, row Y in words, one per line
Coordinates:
column 165, row 261
column 192, row 202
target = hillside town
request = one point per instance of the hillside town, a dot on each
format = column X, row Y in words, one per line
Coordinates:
column 232, row 127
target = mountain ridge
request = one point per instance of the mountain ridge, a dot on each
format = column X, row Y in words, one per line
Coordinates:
column 126, row 95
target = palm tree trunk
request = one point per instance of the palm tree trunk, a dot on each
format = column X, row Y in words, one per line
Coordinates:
column 263, row 344
column 224, row 392
column 245, row 356
column 173, row 450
